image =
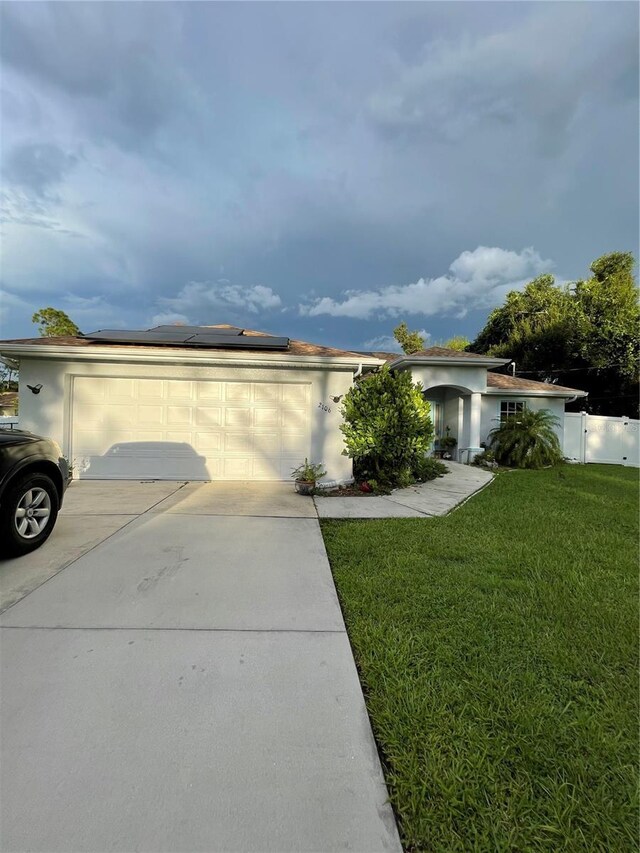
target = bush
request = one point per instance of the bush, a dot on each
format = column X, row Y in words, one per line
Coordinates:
column 429, row 468
column 527, row 440
column 387, row 427
column 486, row 459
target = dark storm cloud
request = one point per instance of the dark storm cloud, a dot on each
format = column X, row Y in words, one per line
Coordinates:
column 37, row 167
column 312, row 156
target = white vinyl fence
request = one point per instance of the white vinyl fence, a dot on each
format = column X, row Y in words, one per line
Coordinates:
column 9, row 422
column 598, row 438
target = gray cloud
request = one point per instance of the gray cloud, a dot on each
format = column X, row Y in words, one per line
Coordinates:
column 37, row 167
column 313, row 149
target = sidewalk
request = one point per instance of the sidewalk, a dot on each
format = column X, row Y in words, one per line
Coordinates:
column 438, row 497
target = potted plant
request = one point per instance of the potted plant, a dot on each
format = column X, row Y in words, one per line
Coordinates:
column 447, row 444
column 306, row 475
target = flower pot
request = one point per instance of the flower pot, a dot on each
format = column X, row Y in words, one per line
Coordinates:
column 305, row 487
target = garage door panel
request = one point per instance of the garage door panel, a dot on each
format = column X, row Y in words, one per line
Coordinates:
column 295, row 393
column 238, row 443
column 266, row 417
column 209, row 391
column 264, row 393
column 151, row 389
column 150, row 415
column 237, row 392
column 186, row 429
column 208, row 417
column 179, row 415
column 235, row 417
column 208, row 441
column 179, row 389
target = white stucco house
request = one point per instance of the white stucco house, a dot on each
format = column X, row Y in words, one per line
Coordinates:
column 469, row 398
column 223, row 403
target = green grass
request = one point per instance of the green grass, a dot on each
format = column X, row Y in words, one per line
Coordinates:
column 498, row 652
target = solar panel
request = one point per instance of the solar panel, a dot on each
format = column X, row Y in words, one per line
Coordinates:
column 183, row 336
column 241, row 341
column 196, row 330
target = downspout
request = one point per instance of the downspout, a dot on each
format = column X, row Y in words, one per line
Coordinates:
column 358, row 371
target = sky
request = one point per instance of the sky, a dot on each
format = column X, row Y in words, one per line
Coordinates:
column 315, row 170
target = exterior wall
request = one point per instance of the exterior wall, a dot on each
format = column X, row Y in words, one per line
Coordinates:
column 491, row 411
column 469, row 378
column 453, row 413
column 49, row 412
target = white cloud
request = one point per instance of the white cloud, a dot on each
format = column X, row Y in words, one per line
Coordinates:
column 477, row 279
column 198, row 299
column 387, row 343
column 169, row 319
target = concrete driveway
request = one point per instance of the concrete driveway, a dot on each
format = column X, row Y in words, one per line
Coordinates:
column 176, row 676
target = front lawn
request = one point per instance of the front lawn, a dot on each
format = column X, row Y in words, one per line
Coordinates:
column 498, row 652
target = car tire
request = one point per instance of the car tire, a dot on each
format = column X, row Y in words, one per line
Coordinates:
column 28, row 514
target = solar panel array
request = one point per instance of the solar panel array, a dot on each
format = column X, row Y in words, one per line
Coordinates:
column 190, row 336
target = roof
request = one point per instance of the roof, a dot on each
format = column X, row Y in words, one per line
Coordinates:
column 8, row 398
column 383, row 356
column 445, row 352
column 296, row 348
column 516, row 383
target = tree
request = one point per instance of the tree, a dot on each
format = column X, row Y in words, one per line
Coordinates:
column 409, row 341
column 387, row 427
column 54, row 323
column 585, row 335
column 8, row 377
column 457, row 342
column 527, row 440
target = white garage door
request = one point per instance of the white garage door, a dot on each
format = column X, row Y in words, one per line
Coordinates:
column 173, row 429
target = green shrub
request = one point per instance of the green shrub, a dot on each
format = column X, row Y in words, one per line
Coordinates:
column 387, row 427
column 527, row 440
column 429, row 468
column 486, row 459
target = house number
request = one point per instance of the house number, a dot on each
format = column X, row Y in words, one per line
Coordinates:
column 324, row 407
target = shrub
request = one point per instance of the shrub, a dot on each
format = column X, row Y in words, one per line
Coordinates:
column 527, row 440
column 387, row 427
column 486, row 459
column 429, row 468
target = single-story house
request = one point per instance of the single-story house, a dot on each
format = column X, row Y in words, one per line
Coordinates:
column 469, row 399
column 224, row 403
column 8, row 403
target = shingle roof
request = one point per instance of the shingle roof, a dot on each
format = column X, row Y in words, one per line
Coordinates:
column 444, row 352
column 516, row 383
column 295, row 347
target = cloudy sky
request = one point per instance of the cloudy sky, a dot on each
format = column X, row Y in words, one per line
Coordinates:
column 319, row 170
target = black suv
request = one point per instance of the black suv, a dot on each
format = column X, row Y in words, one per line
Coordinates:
column 33, row 478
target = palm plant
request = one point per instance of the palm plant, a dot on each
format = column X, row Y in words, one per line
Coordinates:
column 527, row 440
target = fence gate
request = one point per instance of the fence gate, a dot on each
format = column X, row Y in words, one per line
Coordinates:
column 598, row 438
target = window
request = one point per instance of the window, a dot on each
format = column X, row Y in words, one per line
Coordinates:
column 511, row 407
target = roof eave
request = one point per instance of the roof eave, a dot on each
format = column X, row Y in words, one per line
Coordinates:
column 166, row 356
column 526, row 392
column 438, row 360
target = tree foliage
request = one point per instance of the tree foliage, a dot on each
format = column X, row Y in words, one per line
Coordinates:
column 584, row 335
column 8, row 377
column 457, row 342
column 527, row 440
column 409, row 341
column 387, row 427
column 54, row 323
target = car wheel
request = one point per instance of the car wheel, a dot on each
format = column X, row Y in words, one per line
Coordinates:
column 28, row 514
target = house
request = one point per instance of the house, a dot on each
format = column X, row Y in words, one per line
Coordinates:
column 186, row 403
column 468, row 398
column 8, row 403
column 225, row 403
